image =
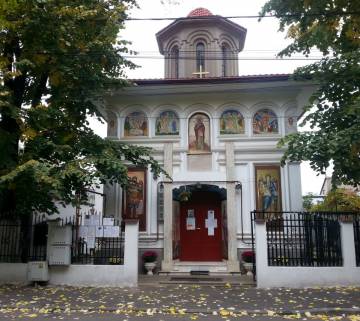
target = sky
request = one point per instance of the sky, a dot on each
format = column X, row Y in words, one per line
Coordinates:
column 263, row 40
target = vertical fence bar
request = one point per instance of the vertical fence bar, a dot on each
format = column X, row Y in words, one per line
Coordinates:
column 356, row 224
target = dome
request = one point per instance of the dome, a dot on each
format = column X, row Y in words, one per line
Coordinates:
column 200, row 12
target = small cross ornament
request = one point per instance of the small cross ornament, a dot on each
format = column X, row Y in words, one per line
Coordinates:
column 211, row 223
column 201, row 73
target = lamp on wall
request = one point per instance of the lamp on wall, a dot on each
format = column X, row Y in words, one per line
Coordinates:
column 238, row 186
column 161, row 187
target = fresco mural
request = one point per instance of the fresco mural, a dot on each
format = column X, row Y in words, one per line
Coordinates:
column 265, row 122
column 134, row 197
column 268, row 188
column 167, row 123
column 136, row 124
column 232, row 122
column 199, row 134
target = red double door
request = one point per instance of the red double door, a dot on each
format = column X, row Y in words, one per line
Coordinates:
column 200, row 228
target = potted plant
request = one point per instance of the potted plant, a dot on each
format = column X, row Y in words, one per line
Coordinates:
column 149, row 258
column 248, row 260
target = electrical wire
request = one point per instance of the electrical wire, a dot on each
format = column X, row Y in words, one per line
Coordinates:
column 294, row 15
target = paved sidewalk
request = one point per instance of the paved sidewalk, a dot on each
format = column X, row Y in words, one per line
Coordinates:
column 155, row 298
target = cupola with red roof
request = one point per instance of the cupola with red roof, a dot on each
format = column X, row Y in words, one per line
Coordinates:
column 201, row 45
column 200, row 12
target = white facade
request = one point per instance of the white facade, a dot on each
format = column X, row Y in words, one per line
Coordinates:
column 232, row 158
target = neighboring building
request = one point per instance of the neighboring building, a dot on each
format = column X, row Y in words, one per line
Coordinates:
column 216, row 134
column 327, row 186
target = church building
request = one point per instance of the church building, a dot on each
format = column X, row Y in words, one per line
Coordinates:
column 216, row 135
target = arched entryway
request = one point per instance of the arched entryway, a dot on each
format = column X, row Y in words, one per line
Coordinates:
column 201, row 223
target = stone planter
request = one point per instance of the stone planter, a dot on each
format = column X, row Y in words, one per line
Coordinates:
column 248, row 268
column 150, row 266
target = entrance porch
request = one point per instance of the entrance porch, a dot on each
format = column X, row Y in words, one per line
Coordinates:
column 200, row 235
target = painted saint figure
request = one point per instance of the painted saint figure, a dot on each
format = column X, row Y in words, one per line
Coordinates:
column 199, row 129
column 135, row 197
column 167, row 124
column 231, row 122
column 199, row 134
column 268, row 193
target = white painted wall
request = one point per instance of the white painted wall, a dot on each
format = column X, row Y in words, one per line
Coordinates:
column 91, row 275
column 185, row 100
column 299, row 277
column 87, row 275
column 13, row 273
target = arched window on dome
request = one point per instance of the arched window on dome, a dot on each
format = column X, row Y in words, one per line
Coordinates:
column 225, row 51
column 200, row 57
column 175, row 62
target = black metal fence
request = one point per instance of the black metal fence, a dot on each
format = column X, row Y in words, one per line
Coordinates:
column 25, row 239
column 22, row 239
column 302, row 239
column 357, row 238
column 98, row 250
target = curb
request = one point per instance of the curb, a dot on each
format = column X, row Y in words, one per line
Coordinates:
column 129, row 308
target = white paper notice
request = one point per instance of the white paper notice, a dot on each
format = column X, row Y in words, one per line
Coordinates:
column 87, row 220
column 91, row 231
column 111, row 231
column 91, row 242
column 95, row 220
column 83, row 231
column 190, row 223
column 108, row 221
column 99, row 231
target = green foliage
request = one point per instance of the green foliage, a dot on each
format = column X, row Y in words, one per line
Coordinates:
column 58, row 58
column 339, row 200
column 308, row 201
column 333, row 27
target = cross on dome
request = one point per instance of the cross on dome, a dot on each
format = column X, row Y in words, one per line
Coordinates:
column 200, row 12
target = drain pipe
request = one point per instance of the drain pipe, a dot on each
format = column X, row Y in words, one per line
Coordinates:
column 239, row 186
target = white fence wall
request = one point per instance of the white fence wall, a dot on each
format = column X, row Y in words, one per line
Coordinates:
column 87, row 275
column 301, row 276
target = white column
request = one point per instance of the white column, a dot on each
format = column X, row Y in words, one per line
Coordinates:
column 294, row 190
column 261, row 253
column 348, row 244
column 131, row 250
column 167, row 262
column 233, row 262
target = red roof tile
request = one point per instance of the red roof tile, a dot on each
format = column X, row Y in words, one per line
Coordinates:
column 200, row 12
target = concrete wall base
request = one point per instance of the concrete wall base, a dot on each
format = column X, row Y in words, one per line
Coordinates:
column 92, row 275
column 13, row 273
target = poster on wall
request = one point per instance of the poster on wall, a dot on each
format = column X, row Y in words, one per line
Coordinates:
column 190, row 220
column 134, row 197
column 268, row 188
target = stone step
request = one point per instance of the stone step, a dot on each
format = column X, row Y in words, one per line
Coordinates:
column 199, row 268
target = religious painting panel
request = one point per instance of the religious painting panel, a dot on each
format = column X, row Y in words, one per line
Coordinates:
column 136, row 124
column 199, row 134
column 232, row 122
column 265, row 122
column 134, row 197
column 290, row 121
column 167, row 123
column 268, row 188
